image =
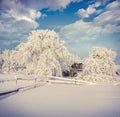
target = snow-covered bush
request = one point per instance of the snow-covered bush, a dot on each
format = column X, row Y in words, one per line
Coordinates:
column 99, row 66
column 42, row 54
column 8, row 61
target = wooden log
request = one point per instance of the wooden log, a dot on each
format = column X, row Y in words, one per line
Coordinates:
column 8, row 92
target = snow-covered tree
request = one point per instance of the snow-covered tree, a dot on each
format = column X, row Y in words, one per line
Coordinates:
column 42, row 54
column 65, row 58
column 48, row 65
column 8, row 61
column 1, row 61
column 99, row 66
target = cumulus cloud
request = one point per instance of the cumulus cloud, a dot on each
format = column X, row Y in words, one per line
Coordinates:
column 81, row 30
column 16, row 8
column 108, row 17
column 85, row 13
column 18, row 17
column 102, row 2
column 16, row 20
column 50, row 4
column 97, row 4
column 114, row 5
column 82, row 13
column 111, row 14
column 106, row 23
column 13, row 31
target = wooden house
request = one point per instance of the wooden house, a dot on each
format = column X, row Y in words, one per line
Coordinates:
column 75, row 68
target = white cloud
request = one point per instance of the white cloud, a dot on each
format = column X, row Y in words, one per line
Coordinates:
column 49, row 4
column 59, row 4
column 81, row 30
column 16, row 21
column 101, row 2
column 17, row 11
column 82, row 13
column 105, row 24
column 114, row 5
column 111, row 15
column 85, row 13
column 97, row 4
column 14, row 29
column 90, row 10
column 108, row 17
column 18, row 17
column 34, row 14
column 30, row 17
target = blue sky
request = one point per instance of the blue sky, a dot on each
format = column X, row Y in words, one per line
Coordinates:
column 82, row 24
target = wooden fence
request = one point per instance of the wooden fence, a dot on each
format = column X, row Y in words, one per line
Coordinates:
column 23, row 83
column 70, row 80
column 20, row 84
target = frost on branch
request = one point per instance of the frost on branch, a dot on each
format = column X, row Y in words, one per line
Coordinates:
column 42, row 54
column 99, row 66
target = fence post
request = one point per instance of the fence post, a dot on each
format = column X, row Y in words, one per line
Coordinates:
column 75, row 81
column 35, row 82
column 16, row 80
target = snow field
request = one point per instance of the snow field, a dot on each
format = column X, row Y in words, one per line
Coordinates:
column 61, row 100
column 10, row 82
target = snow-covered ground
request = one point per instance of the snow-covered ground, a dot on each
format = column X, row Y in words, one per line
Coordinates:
column 62, row 100
column 58, row 98
column 13, row 81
